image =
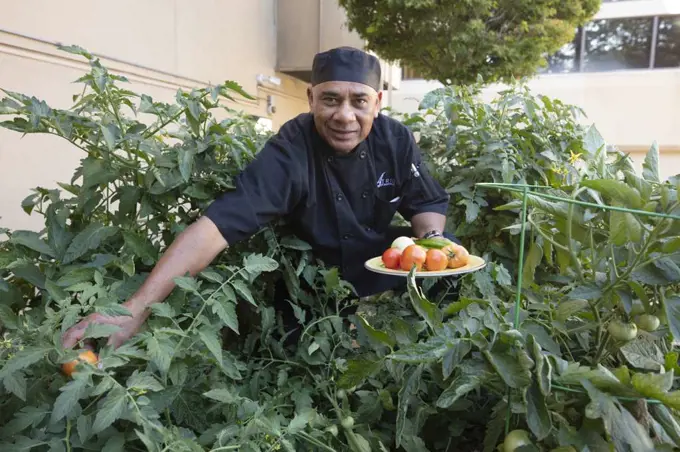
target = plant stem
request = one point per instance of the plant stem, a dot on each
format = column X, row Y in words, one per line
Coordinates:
column 570, row 216
column 603, row 345
column 315, row 441
column 67, row 439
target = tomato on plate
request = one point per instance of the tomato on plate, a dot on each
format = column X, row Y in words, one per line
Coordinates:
column 391, row 258
column 413, row 255
column 458, row 255
column 436, row 260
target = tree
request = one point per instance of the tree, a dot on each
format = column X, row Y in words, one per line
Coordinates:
column 454, row 42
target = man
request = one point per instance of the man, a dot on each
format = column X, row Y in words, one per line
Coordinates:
column 338, row 175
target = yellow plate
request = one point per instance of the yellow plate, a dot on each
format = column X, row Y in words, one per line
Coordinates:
column 474, row 263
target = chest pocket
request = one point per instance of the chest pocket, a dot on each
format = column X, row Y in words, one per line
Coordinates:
column 387, row 201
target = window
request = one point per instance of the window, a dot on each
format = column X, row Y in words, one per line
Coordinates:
column 668, row 43
column 617, row 44
column 567, row 58
column 410, row 74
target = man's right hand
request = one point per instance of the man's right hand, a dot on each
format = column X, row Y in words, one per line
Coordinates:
column 129, row 326
column 191, row 252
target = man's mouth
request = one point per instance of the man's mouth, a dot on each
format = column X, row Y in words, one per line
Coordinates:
column 342, row 134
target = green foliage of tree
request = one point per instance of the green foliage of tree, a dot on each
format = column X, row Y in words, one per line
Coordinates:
column 588, row 365
column 455, row 42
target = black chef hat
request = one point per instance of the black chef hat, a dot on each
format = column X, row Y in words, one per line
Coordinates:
column 346, row 64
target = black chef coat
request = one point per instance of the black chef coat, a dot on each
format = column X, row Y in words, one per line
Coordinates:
column 340, row 204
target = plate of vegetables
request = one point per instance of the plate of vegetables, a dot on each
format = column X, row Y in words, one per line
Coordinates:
column 431, row 257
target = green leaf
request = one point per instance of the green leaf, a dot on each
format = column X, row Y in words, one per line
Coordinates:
column 459, row 387
column 244, row 291
column 8, row 319
column 97, row 330
column 495, row 427
column 586, row 292
column 532, row 260
column 111, row 134
column 301, row 420
column 210, row 340
column 295, row 244
column 223, row 395
column 624, row 228
column 112, row 409
column 140, row 246
column 257, row 263
column 454, row 356
column 71, row 392
column 625, row 431
column 509, row 369
column 144, row 381
column 538, row 416
column 187, row 283
column 84, row 427
column 569, row 308
column 185, row 160
column 160, row 352
column 116, row 443
column 409, row 388
column 358, row 370
column 374, row 335
column 23, row 359
column 426, row 310
column 650, row 167
column 671, row 306
column 643, row 355
column 226, row 311
column 25, row 417
column 113, row 310
column 33, row 241
column 90, row 238
column 616, row 190
column 667, row 420
column 593, row 141
column 421, row 352
column 15, row 383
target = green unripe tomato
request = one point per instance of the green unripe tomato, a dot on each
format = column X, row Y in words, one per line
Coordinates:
column 647, row 322
column 347, row 422
column 622, row 331
column 341, row 394
column 515, row 440
column 333, row 430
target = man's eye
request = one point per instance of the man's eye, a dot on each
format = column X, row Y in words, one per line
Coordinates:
column 330, row 100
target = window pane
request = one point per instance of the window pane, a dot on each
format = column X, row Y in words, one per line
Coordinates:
column 668, row 42
column 410, row 74
column 566, row 59
column 616, row 44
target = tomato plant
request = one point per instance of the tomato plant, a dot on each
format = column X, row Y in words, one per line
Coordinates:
column 214, row 367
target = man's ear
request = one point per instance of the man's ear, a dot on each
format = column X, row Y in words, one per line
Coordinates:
column 378, row 104
column 310, row 96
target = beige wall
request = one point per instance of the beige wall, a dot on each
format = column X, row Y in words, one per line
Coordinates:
column 630, row 108
column 160, row 45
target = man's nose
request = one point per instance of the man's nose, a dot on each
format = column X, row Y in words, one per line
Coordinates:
column 345, row 113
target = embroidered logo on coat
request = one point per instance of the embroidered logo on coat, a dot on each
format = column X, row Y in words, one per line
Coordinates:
column 384, row 181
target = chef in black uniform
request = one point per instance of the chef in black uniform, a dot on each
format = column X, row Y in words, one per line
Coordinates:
column 337, row 176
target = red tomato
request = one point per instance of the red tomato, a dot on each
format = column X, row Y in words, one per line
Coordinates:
column 391, row 258
column 413, row 255
column 436, row 260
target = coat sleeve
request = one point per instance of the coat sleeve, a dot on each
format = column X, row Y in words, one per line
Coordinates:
column 421, row 192
column 268, row 188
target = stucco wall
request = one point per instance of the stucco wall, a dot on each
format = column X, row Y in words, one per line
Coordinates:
column 160, row 45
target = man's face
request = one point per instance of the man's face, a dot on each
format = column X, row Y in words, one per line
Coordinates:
column 344, row 112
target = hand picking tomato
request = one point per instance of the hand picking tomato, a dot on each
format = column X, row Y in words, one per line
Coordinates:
column 413, row 255
column 391, row 258
column 86, row 355
column 436, row 260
